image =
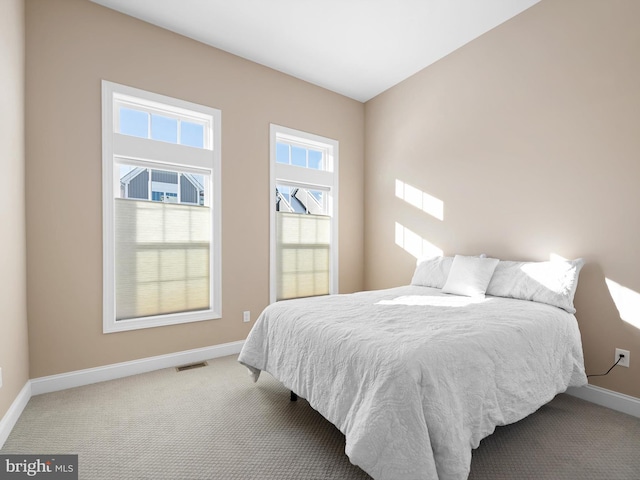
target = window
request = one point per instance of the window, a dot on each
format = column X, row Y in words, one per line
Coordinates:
column 161, row 210
column 304, row 214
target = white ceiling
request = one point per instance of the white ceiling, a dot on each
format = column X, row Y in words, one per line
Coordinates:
column 358, row 48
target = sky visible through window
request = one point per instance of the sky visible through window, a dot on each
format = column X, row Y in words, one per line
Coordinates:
column 299, row 156
column 137, row 123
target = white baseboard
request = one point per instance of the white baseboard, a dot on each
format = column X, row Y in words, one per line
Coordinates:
column 607, row 398
column 13, row 414
column 54, row 383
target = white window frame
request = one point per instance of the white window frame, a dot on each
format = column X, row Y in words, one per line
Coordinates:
column 142, row 152
column 326, row 180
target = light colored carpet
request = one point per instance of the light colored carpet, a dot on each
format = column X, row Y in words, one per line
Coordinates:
column 214, row 423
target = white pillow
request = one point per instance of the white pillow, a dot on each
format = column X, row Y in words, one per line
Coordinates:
column 432, row 272
column 470, row 276
column 553, row 283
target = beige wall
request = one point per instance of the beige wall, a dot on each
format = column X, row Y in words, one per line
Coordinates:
column 14, row 356
column 71, row 46
column 530, row 135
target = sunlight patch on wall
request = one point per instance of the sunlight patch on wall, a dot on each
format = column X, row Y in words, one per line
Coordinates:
column 414, row 244
column 419, row 199
column 627, row 302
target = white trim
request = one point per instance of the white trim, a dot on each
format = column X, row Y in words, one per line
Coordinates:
column 78, row 378
column 607, row 398
column 13, row 414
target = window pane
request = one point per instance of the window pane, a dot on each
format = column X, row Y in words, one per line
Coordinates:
column 134, row 182
column 164, row 186
column 282, row 153
column 298, row 156
column 315, row 160
column 318, row 199
column 134, row 122
column 283, row 199
column 164, row 128
column 192, row 189
column 311, row 201
column 192, row 134
column 301, row 200
column 200, row 183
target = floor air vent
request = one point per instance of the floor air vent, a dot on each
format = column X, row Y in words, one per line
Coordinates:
column 191, row 366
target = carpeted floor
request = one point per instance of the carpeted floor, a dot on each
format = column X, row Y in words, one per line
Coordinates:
column 214, row 423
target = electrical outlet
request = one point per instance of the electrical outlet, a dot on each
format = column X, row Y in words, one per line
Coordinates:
column 246, row 316
column 625, row 360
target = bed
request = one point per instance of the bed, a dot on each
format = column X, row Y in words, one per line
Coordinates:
column 415, row 377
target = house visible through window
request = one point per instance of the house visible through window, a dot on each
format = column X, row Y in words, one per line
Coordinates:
column 166, row 186
column 161, row 210
column 304, row 179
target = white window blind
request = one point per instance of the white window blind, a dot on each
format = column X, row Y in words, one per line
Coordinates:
column 162, row 258
column 303, row 252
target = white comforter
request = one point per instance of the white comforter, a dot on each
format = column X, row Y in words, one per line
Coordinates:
column 415, row 378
